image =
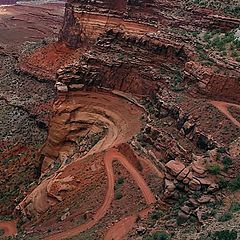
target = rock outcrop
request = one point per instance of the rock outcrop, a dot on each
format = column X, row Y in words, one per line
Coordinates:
column 213, row 84
column 72, row 30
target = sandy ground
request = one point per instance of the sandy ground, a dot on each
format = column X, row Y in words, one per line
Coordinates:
column 21, row 23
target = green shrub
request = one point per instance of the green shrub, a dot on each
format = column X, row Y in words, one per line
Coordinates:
column 227, row 161
column 218, row 157
column 120, row 181
column 222, row 150
column 56, row 166
column 195, row 34
column 237, row 43
column 225, row 217
column 235, row 207
column 229, row 37
column 218, row 43
column 118, row 195
column 225, row 235
column 214, row 169
column 222, row 183
column 161, row 236
column 207, row 36
column 156, row 215
column 234, row 53
column 235, row 184
column 158, row 236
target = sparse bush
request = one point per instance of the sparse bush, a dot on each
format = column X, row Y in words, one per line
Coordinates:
column 227, row 161
column 215, row 205
column 195, row 34
column 218, row 157
column 118, row 195
column 235, row 184
column 156, row 215
column 207, row 36
column 235, row 207
column 182, row 198
column 222, row 183
column 214, row 169
column 234, row 53
column 222, row 150
column 225, row 235
column 225, row 217
column 120, row 181
column 237, row 43
column 158, row 236
column 207, row 63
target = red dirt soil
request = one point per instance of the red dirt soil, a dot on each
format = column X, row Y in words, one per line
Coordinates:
column 46, row 61
column 121, row 228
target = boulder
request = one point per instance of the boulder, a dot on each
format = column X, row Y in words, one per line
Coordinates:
column 205, row 181
column 192, row 203
column 188, row 178
column 198, row 167
column 182, row 217
column 186, row 209
column 199, row 214
column 174, row 167
column 213, row 188
column 141, row 230
column 194, row 184
column 212, row 154
column 170, row 186
column 204, row 199
column 168, row 194
column 169, row 176
column 171, row 223
column 183, row 174
column 65, row 215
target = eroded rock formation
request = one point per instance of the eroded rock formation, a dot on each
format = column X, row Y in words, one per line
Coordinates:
column 143, row 99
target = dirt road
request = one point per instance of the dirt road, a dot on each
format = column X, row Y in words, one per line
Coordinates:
column 223, row 107
column 9, row 228
column 128, row 223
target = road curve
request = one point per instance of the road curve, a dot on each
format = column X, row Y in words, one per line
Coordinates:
column 110, row 155
column 82, row 115
column 9, row 228
column 223, row 107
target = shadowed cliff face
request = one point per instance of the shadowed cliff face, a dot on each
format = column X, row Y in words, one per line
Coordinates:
column 71, row 32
